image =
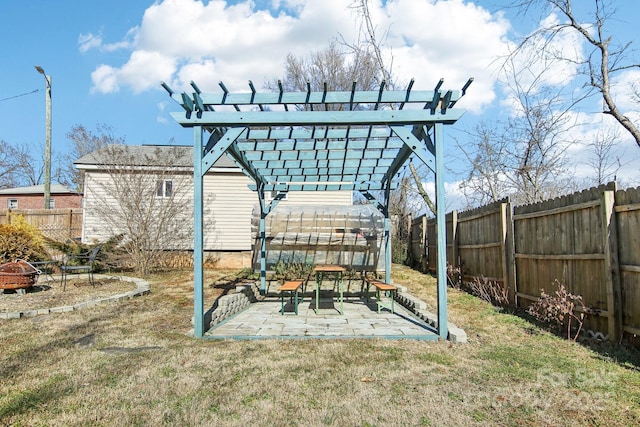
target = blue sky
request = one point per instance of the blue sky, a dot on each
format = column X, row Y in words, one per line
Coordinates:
column 106, row 58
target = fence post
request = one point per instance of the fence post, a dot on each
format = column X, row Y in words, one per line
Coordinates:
column 454, row 240
column 424, row 256
column 612, row 267
column 509, row 261
column 70, row 222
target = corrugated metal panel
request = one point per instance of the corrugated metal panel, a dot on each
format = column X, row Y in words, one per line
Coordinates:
column 318, row 198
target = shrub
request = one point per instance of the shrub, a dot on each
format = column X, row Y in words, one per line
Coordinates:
column 292, row 270
column 559, row 309
column 20, row 240
column 454, row 276
column 488, row 290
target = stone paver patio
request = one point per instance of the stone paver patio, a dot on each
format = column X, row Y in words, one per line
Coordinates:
column 262, row 319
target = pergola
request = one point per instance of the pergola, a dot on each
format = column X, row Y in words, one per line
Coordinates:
column 319, row 140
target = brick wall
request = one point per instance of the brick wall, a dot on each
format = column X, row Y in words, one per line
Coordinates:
column 36, row 201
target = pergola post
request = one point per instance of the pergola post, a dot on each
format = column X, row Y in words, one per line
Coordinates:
column 387, row 235
column 198, row 237
column 441, row 266
column 263, row 252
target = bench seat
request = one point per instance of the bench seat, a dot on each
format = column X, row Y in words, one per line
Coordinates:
column 291, row 288
column 382, row 287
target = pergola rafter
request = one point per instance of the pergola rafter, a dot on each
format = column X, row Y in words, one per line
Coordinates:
column 319, row 140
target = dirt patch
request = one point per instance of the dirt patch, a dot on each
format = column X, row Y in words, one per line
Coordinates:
column 47, row 295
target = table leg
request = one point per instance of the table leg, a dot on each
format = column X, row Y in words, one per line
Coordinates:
column 341, row 290
column 318, row 281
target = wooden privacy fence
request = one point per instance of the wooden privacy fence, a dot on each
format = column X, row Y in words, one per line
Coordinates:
column 58, row 224
column 589, row 241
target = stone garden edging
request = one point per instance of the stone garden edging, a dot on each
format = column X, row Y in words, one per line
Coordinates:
column 142, row 288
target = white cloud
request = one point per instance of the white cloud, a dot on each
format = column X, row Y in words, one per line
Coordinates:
column 105, row 79
column 210, row 42
column 88, row 41
column 161, row 118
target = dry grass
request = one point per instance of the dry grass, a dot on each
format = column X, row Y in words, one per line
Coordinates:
column 133, row 364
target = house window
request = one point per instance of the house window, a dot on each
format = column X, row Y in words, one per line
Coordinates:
column 52, row 203
column 270, row 195
column 164, row 188
column 12, row 204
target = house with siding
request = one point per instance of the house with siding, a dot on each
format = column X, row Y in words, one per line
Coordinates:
column 32, row 197
column 229, row 202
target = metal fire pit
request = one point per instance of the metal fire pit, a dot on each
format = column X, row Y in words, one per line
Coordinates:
column 18, row 275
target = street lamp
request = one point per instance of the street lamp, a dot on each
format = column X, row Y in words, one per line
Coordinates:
column 47, row 147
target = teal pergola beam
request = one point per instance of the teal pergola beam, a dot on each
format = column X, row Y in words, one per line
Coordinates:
column 316, row 98
column 291, row 136
column 362, row 186
column 332, row 118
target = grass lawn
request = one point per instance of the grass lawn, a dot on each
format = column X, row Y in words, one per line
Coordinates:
column 132, row 363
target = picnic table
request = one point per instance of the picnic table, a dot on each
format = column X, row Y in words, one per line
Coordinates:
column 337, row 272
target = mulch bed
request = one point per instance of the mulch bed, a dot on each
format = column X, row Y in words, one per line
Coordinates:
column 47, row 295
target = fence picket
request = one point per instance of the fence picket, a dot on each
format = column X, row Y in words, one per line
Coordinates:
column 590, row 240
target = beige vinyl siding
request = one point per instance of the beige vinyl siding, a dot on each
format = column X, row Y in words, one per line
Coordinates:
column 98, row 192
column 228, row 203
column 93, row 227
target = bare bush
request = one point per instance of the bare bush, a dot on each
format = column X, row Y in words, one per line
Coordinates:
column 560, row 309
column 488, row 290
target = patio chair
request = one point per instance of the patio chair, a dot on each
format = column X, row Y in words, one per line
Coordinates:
column 83, row 263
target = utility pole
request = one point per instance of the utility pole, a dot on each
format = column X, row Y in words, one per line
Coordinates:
column 47, row 146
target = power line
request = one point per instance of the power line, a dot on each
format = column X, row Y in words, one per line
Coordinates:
column 18, row 96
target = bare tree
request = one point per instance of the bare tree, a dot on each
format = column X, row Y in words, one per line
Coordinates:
column 370, row 44
column 606, row 58
column 486, row 178
column 605, row 159
column 143, row 195
column 332, row 66
column 30, row 171
column 9, row 165
column 524, row 155
column 83, row 142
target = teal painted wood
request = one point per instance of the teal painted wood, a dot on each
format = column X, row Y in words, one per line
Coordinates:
column 219, row 148
column 198, row 239
column 441, row 266
column 317, row 98
column 263, row 249
column 358, row 186
column 326, row 118
column 387, row 234
column 417, row 146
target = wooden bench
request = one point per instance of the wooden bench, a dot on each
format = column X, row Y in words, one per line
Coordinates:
column 382, row 287
column 292, row 288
